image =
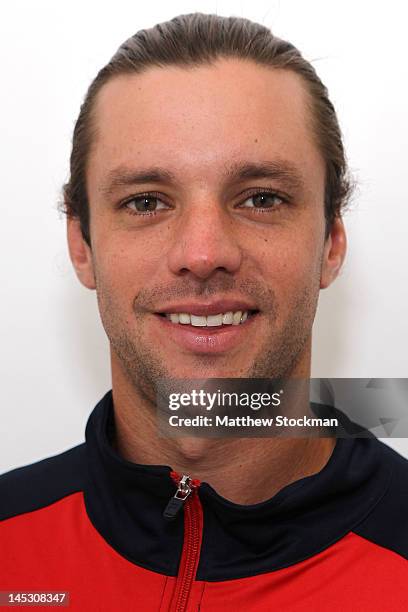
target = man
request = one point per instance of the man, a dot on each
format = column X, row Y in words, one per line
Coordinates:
column 204, row 206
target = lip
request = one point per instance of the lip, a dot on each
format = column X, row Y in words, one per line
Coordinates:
column 206, row 340
column 207, row 308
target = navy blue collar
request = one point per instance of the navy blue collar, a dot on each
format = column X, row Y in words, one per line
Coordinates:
column 125, row 501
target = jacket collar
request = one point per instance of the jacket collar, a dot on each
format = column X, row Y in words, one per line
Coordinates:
column 125, row 502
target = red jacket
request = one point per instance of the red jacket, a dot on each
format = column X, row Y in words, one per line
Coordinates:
column 88, row 522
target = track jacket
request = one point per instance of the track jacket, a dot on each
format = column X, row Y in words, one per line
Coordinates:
column 112, row 534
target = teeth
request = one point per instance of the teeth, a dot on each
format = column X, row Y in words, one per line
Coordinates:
column 198, row 321
column 226, row 318
column 184, row 318
column 214, row 320
column 236, row 319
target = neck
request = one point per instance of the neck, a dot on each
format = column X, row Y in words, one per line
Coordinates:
column 242, row 470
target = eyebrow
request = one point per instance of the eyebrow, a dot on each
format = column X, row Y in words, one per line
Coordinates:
column 124, row 177
column 284, row 171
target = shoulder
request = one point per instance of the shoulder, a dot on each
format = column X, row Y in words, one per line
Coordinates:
column 42, row 483
column 387, row 523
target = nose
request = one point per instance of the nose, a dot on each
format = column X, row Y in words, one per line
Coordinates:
column 204, row 242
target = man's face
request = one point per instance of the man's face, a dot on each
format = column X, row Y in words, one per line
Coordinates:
column 206, row 194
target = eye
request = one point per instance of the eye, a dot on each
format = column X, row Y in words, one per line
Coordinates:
column 144, row 203
column 263, row 199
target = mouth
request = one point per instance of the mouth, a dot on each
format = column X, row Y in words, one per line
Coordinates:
column 219, row 320
column 208, row 329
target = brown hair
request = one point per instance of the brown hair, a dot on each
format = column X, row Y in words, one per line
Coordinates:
column 194, row 39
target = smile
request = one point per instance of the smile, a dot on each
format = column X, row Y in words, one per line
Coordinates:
column 217, row 320
column 215, row 337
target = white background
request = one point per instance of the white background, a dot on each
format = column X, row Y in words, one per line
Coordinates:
column 54, row 355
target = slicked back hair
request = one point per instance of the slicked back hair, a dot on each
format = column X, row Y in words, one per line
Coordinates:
column 198, row 39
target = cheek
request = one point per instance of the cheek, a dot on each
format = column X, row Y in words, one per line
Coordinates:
column 128, row 259
column 125, row 264
column 289, row 264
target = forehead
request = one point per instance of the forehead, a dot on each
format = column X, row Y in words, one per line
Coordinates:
column 199, row 120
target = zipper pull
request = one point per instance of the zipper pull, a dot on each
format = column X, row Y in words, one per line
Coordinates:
column 185, row 487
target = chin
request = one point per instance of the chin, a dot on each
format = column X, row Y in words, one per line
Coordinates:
column 210, row 371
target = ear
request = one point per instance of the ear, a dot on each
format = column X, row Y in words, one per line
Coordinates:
column 334, row 253
column 80, row 253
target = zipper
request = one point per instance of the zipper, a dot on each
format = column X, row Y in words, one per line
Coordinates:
column 186, row 497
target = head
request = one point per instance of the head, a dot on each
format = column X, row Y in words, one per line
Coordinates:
column 208, row 177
